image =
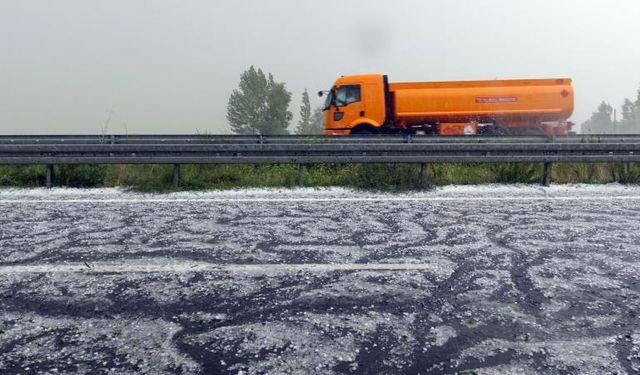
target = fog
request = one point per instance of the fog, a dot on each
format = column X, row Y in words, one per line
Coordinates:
column 168, row 66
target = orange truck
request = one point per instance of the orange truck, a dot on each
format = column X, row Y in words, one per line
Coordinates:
column 370, row 104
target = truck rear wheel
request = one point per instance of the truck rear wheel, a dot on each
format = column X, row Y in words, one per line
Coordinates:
column 496, row 130
column 532, row 131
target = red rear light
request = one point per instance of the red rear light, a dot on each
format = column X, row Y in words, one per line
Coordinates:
column 565, row 93
column 560, row 81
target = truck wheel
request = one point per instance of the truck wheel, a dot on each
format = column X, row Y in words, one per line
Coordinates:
column 496, row 130
column 363, row 130
column 532, row 131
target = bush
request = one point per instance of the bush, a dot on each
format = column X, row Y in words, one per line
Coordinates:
column 582, row 173
column 627, row 173
column 81, row 176
column 23, row 175
column 510, row 173
column 140, row 177
column 460, row 174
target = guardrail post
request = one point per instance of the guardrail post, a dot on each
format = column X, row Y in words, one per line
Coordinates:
column 176, row 175
column 424, row 180
column 546, row 174
column 49, row 181
column 301, row 170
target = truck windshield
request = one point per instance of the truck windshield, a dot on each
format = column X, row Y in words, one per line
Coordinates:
column 331, row 96
column 346, row 95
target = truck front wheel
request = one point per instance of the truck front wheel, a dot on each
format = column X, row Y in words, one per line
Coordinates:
column 364, row 130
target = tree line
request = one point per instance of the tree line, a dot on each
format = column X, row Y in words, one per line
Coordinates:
column 260, row 105
column 606, row 120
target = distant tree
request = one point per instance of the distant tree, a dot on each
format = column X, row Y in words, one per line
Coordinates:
column 278, row 114
column 304, row 124
column 600, row 121
column 603, row 116
column 317, row 121
column 631, row 115
column 637, row 109
column 311, row 122
column 260, row 105
column 628, row 111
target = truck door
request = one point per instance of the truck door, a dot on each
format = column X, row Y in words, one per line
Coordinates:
column 349, row 105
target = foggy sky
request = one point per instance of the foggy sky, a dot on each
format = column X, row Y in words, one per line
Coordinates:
column 169, row 66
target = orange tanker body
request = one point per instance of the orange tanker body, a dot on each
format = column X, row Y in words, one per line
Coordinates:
column 369, row 104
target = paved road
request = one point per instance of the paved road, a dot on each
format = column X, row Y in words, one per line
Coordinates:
column 488, row 279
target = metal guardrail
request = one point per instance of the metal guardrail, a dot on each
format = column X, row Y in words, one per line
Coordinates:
column 286, row 139
column 178, row 149
column 303, row 150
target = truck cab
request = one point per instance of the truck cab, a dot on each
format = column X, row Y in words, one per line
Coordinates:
column 356, row 105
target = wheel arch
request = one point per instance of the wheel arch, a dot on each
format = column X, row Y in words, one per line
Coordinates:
column 365, row 124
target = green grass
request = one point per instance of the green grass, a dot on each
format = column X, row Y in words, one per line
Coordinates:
column 383, row 177
column 22, row 176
